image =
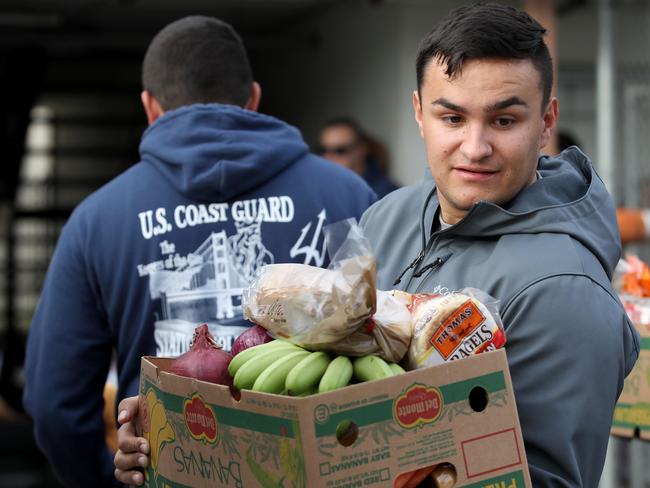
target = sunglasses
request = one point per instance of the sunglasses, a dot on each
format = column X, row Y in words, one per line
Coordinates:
column 341, row 150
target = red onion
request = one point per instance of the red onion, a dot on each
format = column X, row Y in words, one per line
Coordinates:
column 249, row 338
column 205, row 360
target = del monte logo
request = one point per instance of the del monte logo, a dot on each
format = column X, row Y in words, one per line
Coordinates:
column 200, row 419
column 417, row 405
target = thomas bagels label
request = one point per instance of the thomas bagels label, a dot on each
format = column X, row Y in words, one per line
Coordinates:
column 200, row 419
column 417, row 405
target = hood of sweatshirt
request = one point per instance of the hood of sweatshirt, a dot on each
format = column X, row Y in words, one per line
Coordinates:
column 214, row 152
column 569, row 198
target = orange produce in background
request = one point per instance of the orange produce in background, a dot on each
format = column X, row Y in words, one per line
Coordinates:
column 632, row 224
column 637, row 280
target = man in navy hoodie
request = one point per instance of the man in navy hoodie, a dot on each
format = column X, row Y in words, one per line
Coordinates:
column 220, row 191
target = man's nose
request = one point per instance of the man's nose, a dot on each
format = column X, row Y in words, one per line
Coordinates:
column 476, row 144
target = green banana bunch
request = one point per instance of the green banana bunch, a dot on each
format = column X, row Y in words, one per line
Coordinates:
column 281, row 367
column 337, row 375
column 273, row 378
column 249, row 371
column 370, row 367
column 397, row 369
column 312, row 391
column 305, row 375
column 243, row 357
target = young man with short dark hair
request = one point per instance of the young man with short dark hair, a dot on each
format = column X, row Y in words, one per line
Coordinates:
column 537, row 233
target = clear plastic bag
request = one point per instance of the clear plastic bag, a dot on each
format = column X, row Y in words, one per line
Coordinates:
column 386, row 334
column 316, row 307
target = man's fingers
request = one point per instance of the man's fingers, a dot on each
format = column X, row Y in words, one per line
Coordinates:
column 128, row 442
column 127, row 409
column 131, row 478
column 133, row 445
column 133, row 450
column 130, row 461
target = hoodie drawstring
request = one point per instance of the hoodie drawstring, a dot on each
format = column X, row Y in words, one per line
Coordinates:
column 439, row 261
column 426, row 245
column 414, row 263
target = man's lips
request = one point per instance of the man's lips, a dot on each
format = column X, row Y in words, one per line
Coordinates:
column 474, row 174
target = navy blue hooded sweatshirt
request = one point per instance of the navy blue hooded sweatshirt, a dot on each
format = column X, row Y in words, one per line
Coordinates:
column 219, row 192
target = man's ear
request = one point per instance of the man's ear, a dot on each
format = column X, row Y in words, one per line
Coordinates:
column 417, row 108
column 151, row 107
column 550, row 118
column 253, row 102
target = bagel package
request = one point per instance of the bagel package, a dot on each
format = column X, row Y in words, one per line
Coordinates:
column 453, row 326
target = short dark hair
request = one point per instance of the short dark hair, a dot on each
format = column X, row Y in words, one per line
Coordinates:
column 348, row 122
column 197, row 59
column 486, row 31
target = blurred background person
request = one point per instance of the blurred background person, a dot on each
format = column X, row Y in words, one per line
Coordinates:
column 343, row 142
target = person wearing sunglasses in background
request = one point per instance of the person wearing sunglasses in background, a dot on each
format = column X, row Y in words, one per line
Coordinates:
column 343, row 142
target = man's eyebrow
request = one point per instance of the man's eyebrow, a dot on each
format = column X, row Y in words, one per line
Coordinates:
column 449, row 105
column 509, row 102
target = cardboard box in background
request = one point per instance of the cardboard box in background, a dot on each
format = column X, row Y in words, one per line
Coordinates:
column 632, row 412
column 462, row 412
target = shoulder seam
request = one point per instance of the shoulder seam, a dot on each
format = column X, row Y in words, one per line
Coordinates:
column 557, row 275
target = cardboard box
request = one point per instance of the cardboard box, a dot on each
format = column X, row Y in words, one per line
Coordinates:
column 632, row 412
column 462, row 412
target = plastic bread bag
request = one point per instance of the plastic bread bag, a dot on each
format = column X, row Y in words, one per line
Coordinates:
column 453, row 326
column 386, row 334
column 315, row 307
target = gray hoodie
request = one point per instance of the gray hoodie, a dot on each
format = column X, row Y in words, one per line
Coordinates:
column 548, row 257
